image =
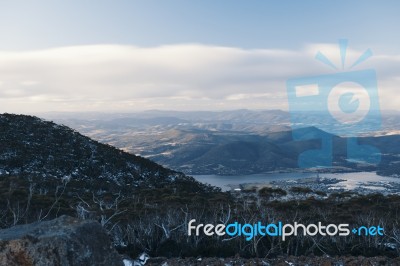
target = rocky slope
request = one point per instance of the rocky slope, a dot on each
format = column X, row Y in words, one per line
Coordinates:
column 32, row 147
column 63, row 241
column 47, row 170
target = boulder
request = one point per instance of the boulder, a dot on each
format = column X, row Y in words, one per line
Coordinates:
column 62, row 241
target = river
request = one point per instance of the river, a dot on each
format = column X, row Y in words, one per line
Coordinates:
column 351, row 179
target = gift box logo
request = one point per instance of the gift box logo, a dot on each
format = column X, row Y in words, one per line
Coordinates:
column 346, row 101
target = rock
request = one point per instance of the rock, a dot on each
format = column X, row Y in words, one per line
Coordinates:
column 63, row 241
column 140, row 261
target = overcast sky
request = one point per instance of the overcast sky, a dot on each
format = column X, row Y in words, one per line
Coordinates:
column 184, row 55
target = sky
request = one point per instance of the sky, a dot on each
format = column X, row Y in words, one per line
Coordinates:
column 122, row 56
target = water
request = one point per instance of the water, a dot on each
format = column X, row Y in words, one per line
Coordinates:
column 351, row 180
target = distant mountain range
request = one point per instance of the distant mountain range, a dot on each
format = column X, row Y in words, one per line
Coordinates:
column 230, row 142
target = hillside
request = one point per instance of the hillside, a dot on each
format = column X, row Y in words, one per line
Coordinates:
column 47, row 170
column 33, row 147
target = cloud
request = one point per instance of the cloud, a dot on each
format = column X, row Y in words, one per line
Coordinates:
column 182, row 76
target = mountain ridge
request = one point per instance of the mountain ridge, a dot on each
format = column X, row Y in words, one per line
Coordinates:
column 217, row 142
column 30, row 146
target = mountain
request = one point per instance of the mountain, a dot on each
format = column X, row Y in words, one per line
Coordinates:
column 48, row 170
column 238, row 153
column 233, row 142
column 34, row 148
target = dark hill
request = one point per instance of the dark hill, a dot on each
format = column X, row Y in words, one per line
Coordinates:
column 35, row 148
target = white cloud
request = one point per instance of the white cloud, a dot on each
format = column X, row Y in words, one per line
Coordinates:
column 185, row 76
